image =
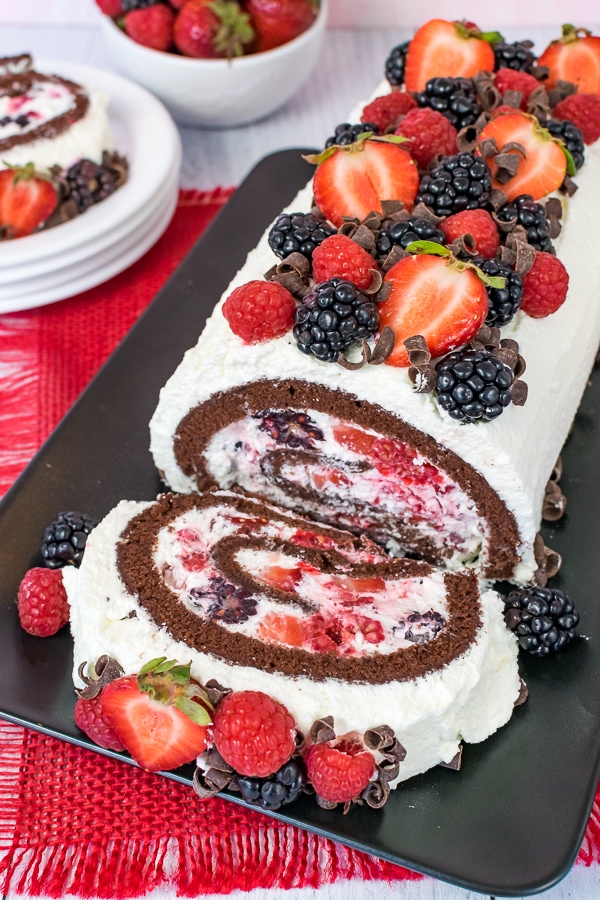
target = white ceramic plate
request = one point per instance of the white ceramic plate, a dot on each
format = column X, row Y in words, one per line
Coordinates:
column 96, row 270
column 143, row 131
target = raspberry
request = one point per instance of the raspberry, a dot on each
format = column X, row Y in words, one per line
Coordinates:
column 479, row 224
column 254, row 733
column 42, row 602
column 385, row 111
column 89, row 717
column 545, row 286
column 259, row 310
column 430, row 134
column 340, row 256
column 583, row 110
column 341, row 772
column 152, row 26
column 511, row 80
column 112, row 8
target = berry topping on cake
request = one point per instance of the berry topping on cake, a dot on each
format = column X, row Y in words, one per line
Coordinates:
column 112, row 8
column 441, row 48
column 574, row 57
column 403, row 233
column 340, row 770
column 583, row 110
column 385, row 112
column 445, row 303
column 259, row 311
column 395, row 64
column 88, row 183
column 571, row 136
column 293, row 429
column 161, row 715
column 354, row 180
column 505, row 301
column 544, row 619
column 224, row 602
column 346, row 134
column 208, row 29
column 64, row 540
column 26, row 200
column 543, row 167
column 254, row 733
column 429, row 134
column 545, row 286
column 298, row 233
column 511, row 80
column 476, row 222
column 340, row 256
column 523, row 210
column 280, row 789
column 332, row 317
column 276, row 22
column 473, row 385
column 457, row 183
column 151, row 26
column 454, row 98
column 90, row 717
column 517, row 56
column 42, row 602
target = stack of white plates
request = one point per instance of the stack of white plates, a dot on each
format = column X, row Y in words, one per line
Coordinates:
column 110, row 236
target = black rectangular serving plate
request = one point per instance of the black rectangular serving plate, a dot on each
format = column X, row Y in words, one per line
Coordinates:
column 511, row 821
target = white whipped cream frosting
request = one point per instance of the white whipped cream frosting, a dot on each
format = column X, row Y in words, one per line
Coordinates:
column 515, row 453
column 468, row 700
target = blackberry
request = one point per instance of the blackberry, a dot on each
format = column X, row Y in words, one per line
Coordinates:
column 63, row 542
column 89, row 183
column 290, row 428
column 395, row 63
column 129, row 5
column 457, row 183
column 454, row 98
column 346, row 133
column 517, row 56
column 571, row 136
column 298, row 233
column 279, row 789
column 544, row 619
column 401, row 234
column 225, row 602
column 332, row 317
column 503, row 302
column 420, row 627
column 473, row 385
column 532, row 217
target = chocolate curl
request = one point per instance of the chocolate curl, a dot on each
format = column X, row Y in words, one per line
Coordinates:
column 421, row 374
column 568, row 186
column 376, row 794
column 390, row 207
column 549, row 561
column 322, row 730
column 363, row 361
column 218, row 775
column 292, row 273
column 553, row 210
column 557, row 470
column 423, row 212
column 538, row 104
column 487, row 338
column 117, row 164
column 383, row 740
column 383, row 293
column 523, row 694
column 513, row 98
column 561, row 90
column 326, row 804
column 554, row 503
column 487, row 92
column 105, row 670
column 516, row 252
column 395, row 255
column 215, row 691
column 364, row 237
column 464, row 244
column 488, row 148
column 383, row 347
column 456, row 761
column 497, row 198
column 468, row 137
column 508, row 161
column 540, row 73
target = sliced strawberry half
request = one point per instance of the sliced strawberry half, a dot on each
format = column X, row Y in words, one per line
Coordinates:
column 544, row 167
column 450, row 49
column 161, row 715
column 26, row 199
column 429, row 297
column 353, row 180
column 574, row 57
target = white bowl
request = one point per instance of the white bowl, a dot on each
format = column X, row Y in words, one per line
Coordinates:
column 216, row 93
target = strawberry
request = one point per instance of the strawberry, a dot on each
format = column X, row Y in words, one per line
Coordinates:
column 353, row 180
column 278, row 21
column 161, row 715
column 26, row 199
column 340, row 255
column 479, row 224
column 544, row 167
column 151, row 26
column 439, row 301
column 451, row 49
column 208, row 29
column 574, row 57
column 282, row 578
column 280, row 628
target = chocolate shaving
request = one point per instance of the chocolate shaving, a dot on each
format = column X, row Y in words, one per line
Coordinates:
column 561, row 90
column 390, row 207
column 395, row 255
column 423, row 212
column 421, row 374
column 506, row 356
column 118, row 166
column 497, row 198
column 322, row 730
column 383, row 293
column 553, row 210
column 218, row 775
column 549, row 561
column 568, row 186
column 383, row 347
column 540, row 72
column 520, row 252
column 523, row 694
column 518, row 392
column 105, row 670
column 513, row 98
column 508, row 163
column 376, row 283
column 215, row 691
column 292, row 273
column 423, row 378
column 455, row 762
column 467, row 138
column 557, row 470
column 376, row 794
column 488, row 336
column 554, row 503
column 505, row 226
column 363, row 361
column 364, row 237
column 383, row 740
column 488, row 148
column 464, row 244
column 538, row 104
column 326, row 804
column 416, row 347
column 487, row 92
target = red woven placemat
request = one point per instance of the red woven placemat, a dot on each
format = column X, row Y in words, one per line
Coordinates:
column 72, row 821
